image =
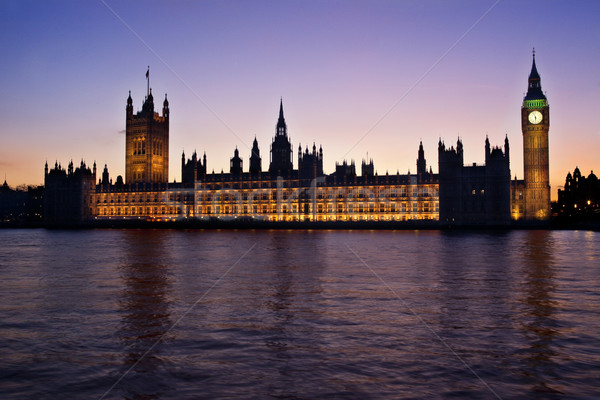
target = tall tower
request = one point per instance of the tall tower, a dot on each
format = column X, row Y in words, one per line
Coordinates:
column 421, row 164
column 147, row 142
column 255, row 160
column 281, row 148
column 236, row 164
column 535, row 122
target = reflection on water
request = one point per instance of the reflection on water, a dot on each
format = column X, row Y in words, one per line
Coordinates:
column 537, row 314
column 146, row 316
column 461, row 314
column 280, row 301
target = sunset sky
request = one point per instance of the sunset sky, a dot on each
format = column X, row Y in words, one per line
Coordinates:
column 356, row 77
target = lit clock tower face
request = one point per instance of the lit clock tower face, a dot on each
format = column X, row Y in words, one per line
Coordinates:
column 535, row 117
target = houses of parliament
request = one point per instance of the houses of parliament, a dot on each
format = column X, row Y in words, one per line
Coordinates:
column 274, row 191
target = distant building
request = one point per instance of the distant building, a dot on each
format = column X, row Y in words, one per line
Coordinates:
column 280, row 194
column 580, row 197
column 22, row 206
column 458, row 195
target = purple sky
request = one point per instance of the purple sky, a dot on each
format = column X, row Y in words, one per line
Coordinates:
column 362, row 77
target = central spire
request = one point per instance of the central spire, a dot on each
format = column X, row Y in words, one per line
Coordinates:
column 281, row 125
column 281, row 109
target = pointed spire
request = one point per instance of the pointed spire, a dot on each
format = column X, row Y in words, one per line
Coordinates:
column 281, row 109
column 534, row 73
column 534, row 85
column 281, row 125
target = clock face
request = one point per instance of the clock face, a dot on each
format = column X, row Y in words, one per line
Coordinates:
column 535, row 117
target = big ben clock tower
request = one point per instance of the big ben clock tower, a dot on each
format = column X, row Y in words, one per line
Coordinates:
column 535, row 122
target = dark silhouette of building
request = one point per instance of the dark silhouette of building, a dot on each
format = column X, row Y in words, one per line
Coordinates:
column 22, row 206
column 310, row 165
column 194, row 169
column 477, row 194
column 255, row 160
column 580, row 198
column 281, row 148
column 422, row 174
column 421, row 164
column 367, row 168
column 345, row 171
column 236, row 164
column 105, row 180
column 67, row 200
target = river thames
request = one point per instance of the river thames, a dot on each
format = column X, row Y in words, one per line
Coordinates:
column 186, row 314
